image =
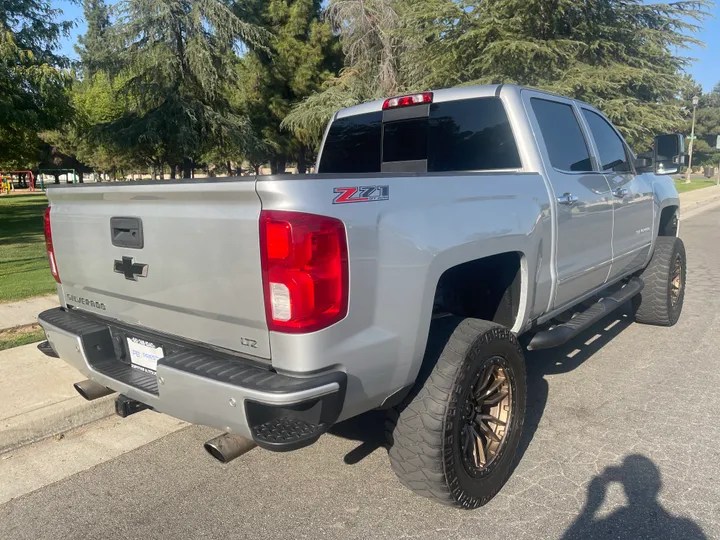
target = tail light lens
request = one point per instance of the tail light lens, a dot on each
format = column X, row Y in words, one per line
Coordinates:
column 305, row 270
column 49, row 245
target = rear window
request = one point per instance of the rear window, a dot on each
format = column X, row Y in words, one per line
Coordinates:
column 352, row 145
column 466, row 135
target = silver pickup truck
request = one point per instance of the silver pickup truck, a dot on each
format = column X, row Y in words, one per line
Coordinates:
column 440, row 228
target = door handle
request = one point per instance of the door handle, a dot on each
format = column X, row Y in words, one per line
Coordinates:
column 567, row 199
column 621, row 192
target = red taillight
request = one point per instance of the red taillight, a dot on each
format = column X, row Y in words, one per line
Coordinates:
column 407, row 101
column 49, row 245
column 305, row 270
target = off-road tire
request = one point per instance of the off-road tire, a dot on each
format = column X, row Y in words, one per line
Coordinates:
column 655, row 304
column 424, row 431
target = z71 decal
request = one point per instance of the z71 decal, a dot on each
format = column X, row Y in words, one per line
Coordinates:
column 361, row 194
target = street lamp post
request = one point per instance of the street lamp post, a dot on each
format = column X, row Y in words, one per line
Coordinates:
column 692, row 139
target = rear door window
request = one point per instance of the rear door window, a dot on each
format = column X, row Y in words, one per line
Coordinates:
column 564, row 139
column 465, row 135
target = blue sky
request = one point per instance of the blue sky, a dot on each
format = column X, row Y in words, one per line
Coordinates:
column 705, row 68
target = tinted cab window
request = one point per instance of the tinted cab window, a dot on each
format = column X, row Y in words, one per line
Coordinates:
column 613, row 156
column 465, row 135
column 352, row 145
column 563, row 136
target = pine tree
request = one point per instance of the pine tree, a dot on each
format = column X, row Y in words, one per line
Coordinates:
column 303, row 55
column 619, row 55
column 370, row 37
column 93, row 48
column 177, row 59
column 33, row 78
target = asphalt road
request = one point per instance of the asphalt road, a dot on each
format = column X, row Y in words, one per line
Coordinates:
column 623, row 441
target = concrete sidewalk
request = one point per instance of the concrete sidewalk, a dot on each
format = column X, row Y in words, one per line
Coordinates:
column 696, row 201
column 25, row 312
column 37, row 398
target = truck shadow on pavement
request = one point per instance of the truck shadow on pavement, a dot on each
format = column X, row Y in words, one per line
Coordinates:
column 642, row 517
column 564, row 359
column 368, row 428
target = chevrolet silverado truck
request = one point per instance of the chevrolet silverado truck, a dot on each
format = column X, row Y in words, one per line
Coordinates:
column 442, row 230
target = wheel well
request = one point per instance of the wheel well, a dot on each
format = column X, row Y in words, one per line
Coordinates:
column 668, row 221
column 487, row 288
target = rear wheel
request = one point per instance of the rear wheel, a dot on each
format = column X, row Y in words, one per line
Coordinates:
column 454, row 439
column 661, row 299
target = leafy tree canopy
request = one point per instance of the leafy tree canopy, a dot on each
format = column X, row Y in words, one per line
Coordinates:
column 618, row 55
column 32, row 78
column 177, row 58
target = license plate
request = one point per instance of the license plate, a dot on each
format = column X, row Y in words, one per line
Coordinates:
column 144, row 355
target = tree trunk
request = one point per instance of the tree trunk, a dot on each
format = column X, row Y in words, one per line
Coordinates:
column 57, row 177
column 172, row 172
column 277, row 165
column 301, row 162
column 187, row 168
column 229, row 168
column 80, row 177
column 153, row 174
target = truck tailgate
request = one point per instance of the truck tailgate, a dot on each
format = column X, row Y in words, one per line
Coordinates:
column 195, row 273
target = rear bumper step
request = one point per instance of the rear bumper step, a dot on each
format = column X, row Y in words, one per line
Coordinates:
column 562, row 333
column 279, row 412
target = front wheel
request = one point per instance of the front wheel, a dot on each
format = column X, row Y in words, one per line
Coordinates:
column 661, row 299
column 455, row 438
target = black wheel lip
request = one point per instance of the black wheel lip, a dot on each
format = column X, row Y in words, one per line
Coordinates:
column 469, row 468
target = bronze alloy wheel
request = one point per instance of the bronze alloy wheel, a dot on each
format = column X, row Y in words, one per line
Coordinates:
column 487, row 415
column 676, row 283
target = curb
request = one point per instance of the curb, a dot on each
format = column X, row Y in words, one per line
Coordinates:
column 53, row 420
column 691, row 209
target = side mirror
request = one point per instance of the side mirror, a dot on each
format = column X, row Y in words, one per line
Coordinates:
column 668, row 153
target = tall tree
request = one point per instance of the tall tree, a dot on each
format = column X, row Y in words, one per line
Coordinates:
column 707, row 129
column 33, row 78
column 369, row 32
column 177, row 60
column 619, row 55
column 94, row 47
column 303, row 55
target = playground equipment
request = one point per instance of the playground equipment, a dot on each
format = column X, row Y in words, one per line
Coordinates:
column 6, row 184
column 29, row 178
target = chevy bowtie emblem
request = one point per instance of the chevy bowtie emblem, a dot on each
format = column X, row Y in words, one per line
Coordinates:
column 130, row 269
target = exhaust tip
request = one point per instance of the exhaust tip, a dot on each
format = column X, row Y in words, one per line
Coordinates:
column 214, row 452
column 81, row 391
column 226, row 447
column 91, row 390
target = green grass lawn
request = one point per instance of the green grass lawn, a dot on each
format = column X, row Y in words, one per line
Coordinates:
column 695, row 183
column 24, row 270
column 21, row 336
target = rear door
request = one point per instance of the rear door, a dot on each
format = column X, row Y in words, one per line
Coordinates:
column 180, row 258
column 582, row 199
column 632, row 195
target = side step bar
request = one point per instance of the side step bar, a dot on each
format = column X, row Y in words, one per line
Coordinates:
column 557, row 335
